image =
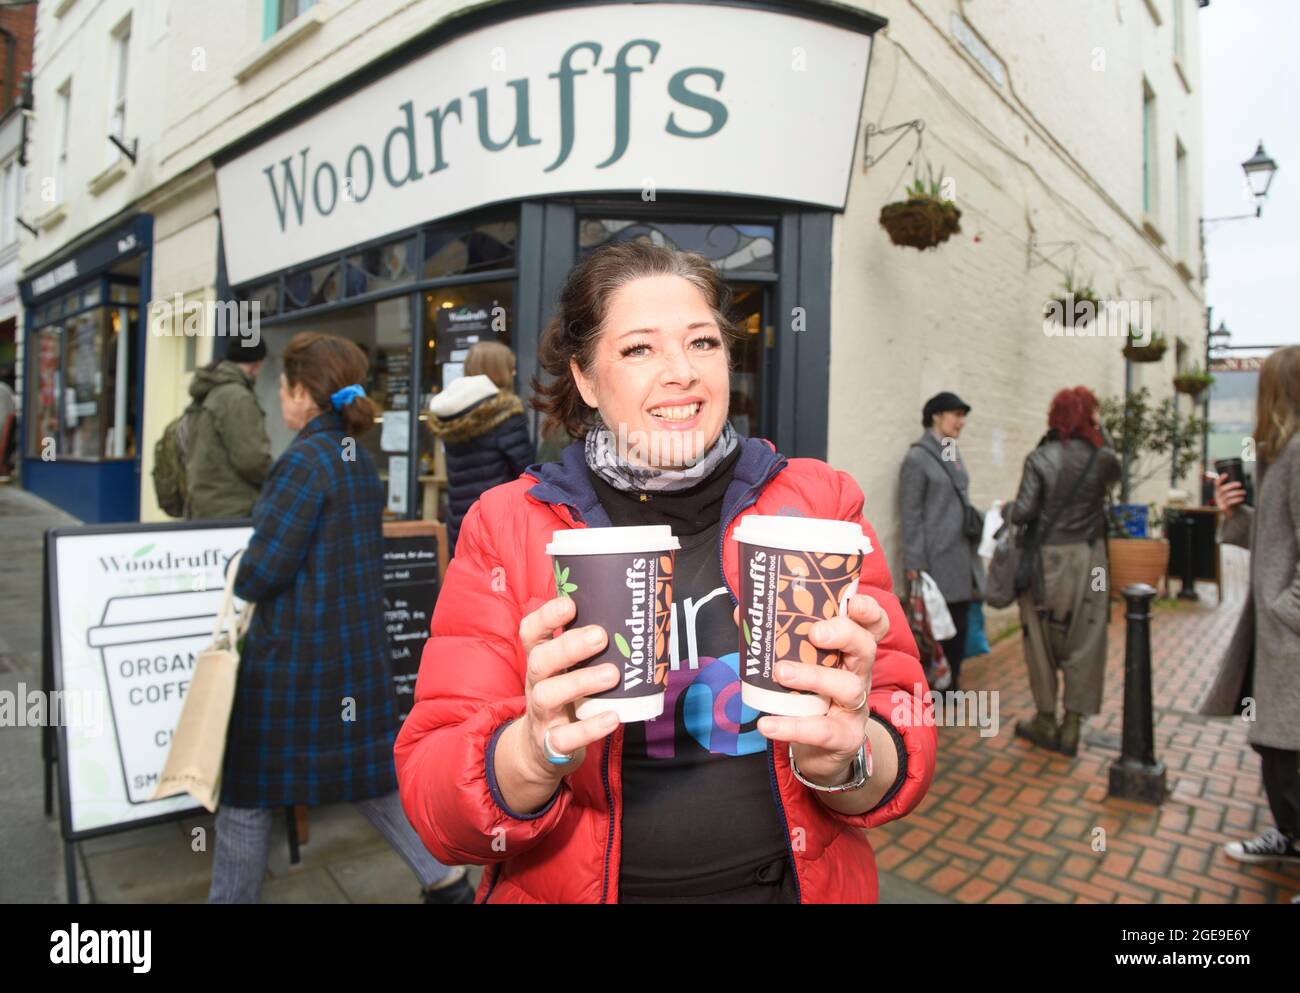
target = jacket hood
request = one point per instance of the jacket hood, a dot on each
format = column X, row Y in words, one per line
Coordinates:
column 477, row 420
column 206, row 379
column 461, row 395
column 568, row 483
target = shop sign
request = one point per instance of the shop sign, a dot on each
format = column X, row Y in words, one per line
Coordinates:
column 709, row 98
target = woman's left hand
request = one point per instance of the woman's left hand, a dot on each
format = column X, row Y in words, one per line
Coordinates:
column 824, row 747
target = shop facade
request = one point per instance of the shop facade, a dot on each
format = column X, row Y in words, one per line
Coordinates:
column 441, row 196
column 84, row 350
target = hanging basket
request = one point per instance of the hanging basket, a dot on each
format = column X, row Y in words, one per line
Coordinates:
column 1068, row 312
column 1154, row 351
column 920, row 222
column 1193, row 384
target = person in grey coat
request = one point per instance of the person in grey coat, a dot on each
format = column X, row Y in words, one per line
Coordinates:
column 1259, row 675
column 934, row 492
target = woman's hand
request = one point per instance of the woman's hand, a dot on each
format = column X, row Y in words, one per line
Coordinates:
column 1227, row 495
column 525, row 775
column 824, row 747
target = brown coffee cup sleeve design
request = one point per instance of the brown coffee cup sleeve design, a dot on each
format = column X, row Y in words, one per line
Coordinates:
column 810, row 586
column 663, row 618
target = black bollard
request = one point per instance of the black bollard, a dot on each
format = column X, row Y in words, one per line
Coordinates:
column 1136, row 774
column 1188, row 525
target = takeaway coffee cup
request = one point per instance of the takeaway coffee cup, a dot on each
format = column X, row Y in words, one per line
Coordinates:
column 794, row 572
column 621, row 579
column 1235, row 469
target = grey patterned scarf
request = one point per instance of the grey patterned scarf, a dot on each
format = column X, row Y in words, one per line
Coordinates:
column 604, row 459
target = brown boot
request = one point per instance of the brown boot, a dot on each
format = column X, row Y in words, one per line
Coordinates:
column 1041, row 731
column 1069, row 734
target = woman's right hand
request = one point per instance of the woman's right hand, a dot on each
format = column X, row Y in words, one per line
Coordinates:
column 1227, row 495
column 527, row 777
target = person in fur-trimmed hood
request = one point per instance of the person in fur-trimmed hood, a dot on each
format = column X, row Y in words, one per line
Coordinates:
column 481, row 422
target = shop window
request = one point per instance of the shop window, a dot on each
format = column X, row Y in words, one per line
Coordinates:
column 82, row 406
column 380, row 268
column 46, row 375
column 452, row 251
column 123, row 292
column 266, row 296
column 311, row 287
column 383, row 330
column 455, row 319
column 733, row 248
column 90, row 295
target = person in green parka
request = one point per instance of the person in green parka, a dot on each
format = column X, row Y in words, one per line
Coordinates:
column 229, row 453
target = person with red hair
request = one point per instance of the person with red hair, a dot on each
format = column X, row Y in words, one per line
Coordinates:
column 1065, row 611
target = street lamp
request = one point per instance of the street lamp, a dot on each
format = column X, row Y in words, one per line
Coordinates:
column 1259, row 169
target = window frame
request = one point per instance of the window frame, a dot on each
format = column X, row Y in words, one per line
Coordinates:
column 119, row 76
column 63, row 127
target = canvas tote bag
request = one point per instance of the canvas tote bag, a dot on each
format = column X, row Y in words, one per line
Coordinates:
column 198, row 745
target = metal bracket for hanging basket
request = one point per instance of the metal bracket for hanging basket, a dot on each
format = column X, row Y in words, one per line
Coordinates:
column 869, row 160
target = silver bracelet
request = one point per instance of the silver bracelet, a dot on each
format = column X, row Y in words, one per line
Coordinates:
column 859, row 772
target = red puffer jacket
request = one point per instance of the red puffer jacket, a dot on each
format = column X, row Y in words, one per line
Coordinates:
column 471, row 686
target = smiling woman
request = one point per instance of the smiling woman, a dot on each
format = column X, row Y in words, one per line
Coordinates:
column 713, row 802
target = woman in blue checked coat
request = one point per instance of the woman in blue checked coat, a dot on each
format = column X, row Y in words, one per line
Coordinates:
column 314, row 718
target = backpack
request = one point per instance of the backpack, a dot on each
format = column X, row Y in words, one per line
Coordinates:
column 170, row 456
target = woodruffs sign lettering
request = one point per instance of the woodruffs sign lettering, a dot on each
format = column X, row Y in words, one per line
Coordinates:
column 622, row 97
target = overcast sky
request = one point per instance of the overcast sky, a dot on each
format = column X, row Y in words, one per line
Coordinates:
column 1251, row 90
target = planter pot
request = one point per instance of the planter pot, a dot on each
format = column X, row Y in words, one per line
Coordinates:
column 920, row 223
column 1153, row 352
column 1136, row 560
column 1191, row 385
column 1072, row 312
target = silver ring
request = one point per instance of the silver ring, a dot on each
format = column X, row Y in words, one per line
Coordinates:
column 854, row 710
column 552, row 756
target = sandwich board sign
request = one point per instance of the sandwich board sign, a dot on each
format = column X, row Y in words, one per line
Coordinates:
column 129, row 607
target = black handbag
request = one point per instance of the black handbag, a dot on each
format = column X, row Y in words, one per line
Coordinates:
column 972, row 524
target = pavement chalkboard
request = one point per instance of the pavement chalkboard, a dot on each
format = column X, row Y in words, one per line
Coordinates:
column 413, row 555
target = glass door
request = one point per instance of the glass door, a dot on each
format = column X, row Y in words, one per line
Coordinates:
column 745, row 256
column 751, row 309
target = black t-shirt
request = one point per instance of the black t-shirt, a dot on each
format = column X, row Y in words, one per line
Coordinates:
column 699, row 815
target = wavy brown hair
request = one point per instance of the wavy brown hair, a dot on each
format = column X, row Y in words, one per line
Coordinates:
column 580, row 318
column 1277, row 402
column 324, row 364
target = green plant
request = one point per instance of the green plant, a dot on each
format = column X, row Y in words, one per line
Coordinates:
column 1152, row 351
column 1076, row 306
column 1193, row 381
column 1151, row 438
column 925, row 219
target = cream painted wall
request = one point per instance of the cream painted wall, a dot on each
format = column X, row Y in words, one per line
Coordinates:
column 1054, row 151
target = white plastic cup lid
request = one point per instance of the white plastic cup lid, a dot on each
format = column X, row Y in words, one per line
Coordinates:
column 803, row 534
column 612, row 541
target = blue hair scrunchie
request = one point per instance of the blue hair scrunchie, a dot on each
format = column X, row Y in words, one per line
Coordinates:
column 345, row 396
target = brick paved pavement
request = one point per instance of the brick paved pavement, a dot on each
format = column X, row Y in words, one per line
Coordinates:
column 1006, row 822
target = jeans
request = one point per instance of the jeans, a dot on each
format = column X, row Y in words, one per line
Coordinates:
column 244, row 839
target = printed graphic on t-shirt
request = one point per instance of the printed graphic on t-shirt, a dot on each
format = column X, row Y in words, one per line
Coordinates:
column 703, row 706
